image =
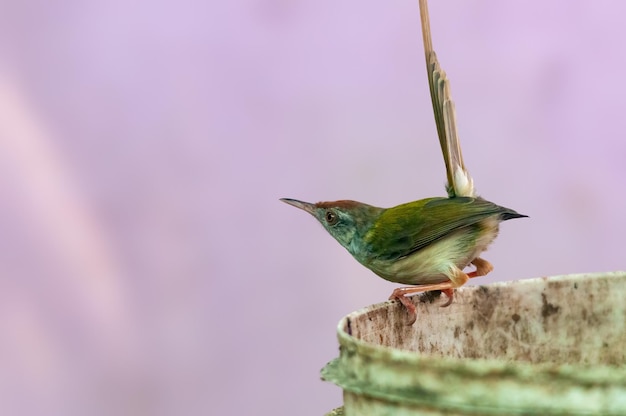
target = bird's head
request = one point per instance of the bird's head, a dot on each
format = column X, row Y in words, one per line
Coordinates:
column 344, row 220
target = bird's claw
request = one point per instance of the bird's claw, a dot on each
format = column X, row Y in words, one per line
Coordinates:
column 450, row 294
column 408, row 305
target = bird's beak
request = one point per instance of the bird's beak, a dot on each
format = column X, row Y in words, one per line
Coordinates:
column 299, row 204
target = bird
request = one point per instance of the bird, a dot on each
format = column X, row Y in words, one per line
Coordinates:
column 427, row 243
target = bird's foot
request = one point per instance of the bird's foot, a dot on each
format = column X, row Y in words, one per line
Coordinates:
column 450, row 294
column 408, row 304
column 401, row 292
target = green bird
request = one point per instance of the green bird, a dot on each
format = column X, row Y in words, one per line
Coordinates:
column 427, row 243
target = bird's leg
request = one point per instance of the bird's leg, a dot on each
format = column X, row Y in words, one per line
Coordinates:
column 401, row 292
column 457, row 279
column 483, row 267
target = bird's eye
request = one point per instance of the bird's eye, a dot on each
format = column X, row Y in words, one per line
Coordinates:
column 331, row 217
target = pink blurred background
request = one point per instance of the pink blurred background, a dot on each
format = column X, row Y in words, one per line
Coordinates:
column 146, row 264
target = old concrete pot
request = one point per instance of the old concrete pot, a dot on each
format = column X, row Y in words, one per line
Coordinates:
column 548, row 346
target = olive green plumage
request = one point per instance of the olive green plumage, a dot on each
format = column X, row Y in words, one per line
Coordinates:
column 407, row 228
column 420, row 242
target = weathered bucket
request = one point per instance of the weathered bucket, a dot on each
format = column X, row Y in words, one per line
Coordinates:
column 548, row 346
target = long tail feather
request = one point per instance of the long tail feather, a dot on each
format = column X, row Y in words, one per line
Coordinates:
column 460, row 183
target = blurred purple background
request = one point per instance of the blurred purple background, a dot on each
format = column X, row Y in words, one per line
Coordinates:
column 147, row 266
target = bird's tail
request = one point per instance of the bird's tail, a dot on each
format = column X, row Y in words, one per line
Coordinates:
column 510, row 215
column 460, row 183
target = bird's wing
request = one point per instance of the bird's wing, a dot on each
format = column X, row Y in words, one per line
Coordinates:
column 405, row 229
column 460, row 182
